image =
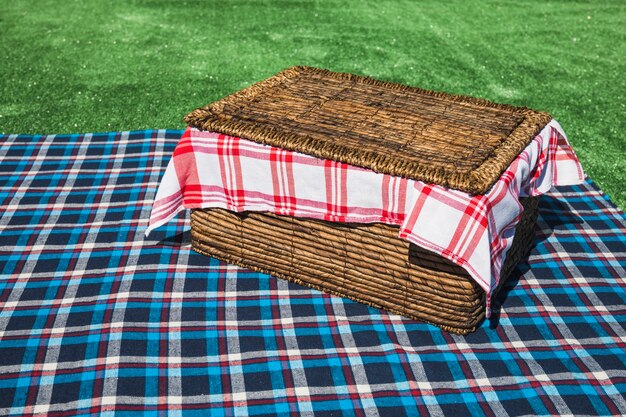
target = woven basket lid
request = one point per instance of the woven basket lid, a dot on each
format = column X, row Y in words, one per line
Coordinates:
column 454, row 141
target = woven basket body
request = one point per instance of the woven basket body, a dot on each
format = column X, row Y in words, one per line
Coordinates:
column 364, row 262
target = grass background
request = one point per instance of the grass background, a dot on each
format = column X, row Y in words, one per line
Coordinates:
column 93, row 66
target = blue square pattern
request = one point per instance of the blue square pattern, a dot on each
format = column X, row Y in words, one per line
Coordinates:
column 96, row 319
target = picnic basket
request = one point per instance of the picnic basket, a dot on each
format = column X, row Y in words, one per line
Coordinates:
column 453, row 141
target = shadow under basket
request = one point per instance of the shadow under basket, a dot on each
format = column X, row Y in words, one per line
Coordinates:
column 367, row 263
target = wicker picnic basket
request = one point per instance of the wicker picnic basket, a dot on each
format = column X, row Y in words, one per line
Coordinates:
column 454, row 141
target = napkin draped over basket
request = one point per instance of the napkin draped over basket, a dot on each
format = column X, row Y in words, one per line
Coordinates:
column 416, row 202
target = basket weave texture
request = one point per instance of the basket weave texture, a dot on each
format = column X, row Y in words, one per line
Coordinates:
column 454, row 141
column 364, row 262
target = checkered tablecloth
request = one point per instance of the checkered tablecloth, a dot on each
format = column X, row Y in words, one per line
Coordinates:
column 214, row 170
column 96, row 319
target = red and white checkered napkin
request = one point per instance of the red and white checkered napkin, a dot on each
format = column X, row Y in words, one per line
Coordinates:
column 215, row 170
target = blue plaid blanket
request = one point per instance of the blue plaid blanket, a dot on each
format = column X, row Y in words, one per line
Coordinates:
column 96, row 319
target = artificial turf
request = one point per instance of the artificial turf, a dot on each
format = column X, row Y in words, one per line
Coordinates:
column 87, row 66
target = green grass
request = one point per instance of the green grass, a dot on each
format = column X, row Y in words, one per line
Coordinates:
column 84, row 66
